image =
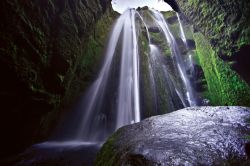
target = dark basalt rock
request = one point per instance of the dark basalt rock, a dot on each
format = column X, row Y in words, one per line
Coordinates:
column 191, row 136
column 172, row 20
column 191, row 44
column 154, row 29
column 240, row 62
column 181, row 45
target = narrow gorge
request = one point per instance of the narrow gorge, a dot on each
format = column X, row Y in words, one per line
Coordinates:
column 125, row 83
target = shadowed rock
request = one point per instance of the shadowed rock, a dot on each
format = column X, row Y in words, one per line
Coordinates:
column 191, row 44
column 181, row 45
column 154, row 29
column 172, row 20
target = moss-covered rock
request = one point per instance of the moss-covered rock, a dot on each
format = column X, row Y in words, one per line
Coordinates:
column 225, row 86
column 49, row 50
column 224, row 23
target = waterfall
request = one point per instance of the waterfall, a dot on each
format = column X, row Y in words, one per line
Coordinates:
column 182, row 33
column 190, row 99
column 128, row 109
column 93, row 101
column 114, row 99
column 182, row 30
column 124, row 86
column 144, row 73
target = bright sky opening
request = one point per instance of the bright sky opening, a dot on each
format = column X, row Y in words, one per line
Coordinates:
column 122, row 5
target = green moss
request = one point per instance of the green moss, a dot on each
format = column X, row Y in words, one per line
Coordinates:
column 193, row 2
column 167, row 51
column 156, row 37
column 168, row 14
column 224, row 23
column 175, row 29
column 145, row 74
column 91, row 53
column 107, row 155
column 160, row 41
column 225, row 87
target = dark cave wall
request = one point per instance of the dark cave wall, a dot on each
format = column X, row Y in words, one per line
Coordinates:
column 49, row 50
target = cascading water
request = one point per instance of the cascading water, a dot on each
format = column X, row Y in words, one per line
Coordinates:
column 128, row 109
column 182, row 33
column 189, row 95
column 114, row 99
column 133, row 83
column 110, row 102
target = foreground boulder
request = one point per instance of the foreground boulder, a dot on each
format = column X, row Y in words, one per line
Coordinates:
column 191, row 136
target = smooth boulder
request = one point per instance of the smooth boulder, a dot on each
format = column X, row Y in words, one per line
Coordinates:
column 191, row 136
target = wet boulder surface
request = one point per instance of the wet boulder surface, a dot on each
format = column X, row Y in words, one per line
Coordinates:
column 191, row 136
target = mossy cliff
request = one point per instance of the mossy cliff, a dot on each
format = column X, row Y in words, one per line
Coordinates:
column 49, row 50
column 225, row 86
column 224, row 23
column 223, row 45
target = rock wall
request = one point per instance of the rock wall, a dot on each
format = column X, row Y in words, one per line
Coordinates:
column 224, row 85
column 49, row 50
column 224, row 23
column 223, row 46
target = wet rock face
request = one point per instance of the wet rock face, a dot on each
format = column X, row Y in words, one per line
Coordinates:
column 172, row 20
column 191, row 136
column 154, row 29
column 42, row 48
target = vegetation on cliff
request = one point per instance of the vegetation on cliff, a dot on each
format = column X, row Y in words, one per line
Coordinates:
column 225, row 86
column 223, row 44
column 224, row 23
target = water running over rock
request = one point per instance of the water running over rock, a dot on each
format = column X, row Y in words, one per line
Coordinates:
column 136, row 80
column 117, row 96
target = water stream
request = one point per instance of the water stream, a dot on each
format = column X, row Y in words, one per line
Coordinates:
column 188, row 96
column 123, row 87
